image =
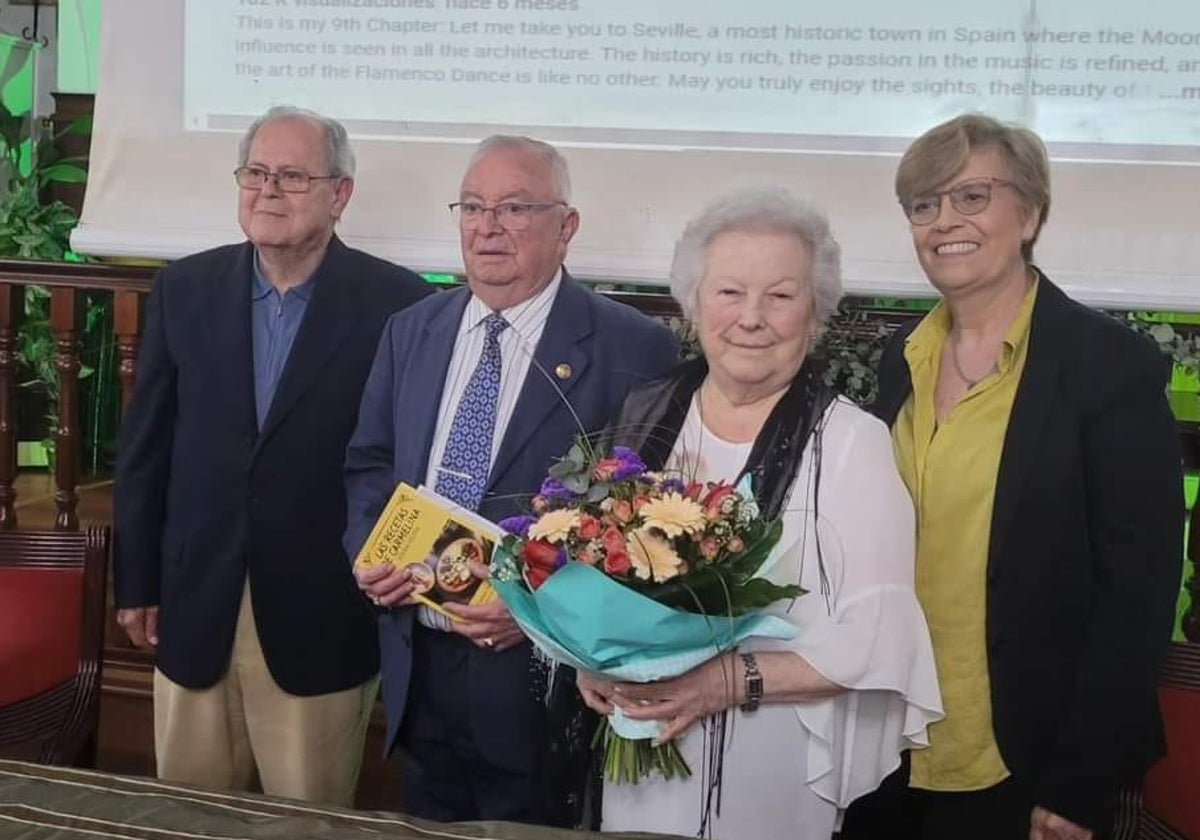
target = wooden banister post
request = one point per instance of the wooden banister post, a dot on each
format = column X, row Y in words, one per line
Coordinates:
column 65, row 305
column 127, row 325
column 12, row 308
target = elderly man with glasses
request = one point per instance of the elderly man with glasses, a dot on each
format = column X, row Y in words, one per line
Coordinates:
column 229, row 503
column 474, row 393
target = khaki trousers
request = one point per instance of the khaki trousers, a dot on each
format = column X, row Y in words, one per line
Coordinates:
column 306, row 748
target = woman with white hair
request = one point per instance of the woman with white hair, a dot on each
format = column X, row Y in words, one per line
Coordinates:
column 780, row 736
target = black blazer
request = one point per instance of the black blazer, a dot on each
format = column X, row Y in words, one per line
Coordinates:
column 1084, row 556
column 203, row 496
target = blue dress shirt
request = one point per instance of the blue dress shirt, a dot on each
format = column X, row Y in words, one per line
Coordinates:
column 275, row 319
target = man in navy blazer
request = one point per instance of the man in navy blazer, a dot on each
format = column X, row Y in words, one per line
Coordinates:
column 458, row 694
column 229, row 502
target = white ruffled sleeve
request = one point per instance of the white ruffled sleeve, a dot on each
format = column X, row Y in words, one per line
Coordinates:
column 869, row 633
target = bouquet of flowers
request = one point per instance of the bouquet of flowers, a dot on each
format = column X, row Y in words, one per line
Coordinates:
column 639, row 576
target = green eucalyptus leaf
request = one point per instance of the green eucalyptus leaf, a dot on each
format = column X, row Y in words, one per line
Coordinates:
column 576, row 483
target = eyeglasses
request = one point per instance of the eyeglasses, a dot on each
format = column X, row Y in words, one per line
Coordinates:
column 287, row 180
column 510, row 215
column 968, row 198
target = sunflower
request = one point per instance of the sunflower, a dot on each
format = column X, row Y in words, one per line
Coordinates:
column 554, row 526
column 652, row 556
column 674, row 514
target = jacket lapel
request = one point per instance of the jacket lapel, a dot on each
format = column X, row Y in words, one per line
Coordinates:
column 422, row 394
column 326, row 325
column 237, row 354
column 1035, row 395
column 544, row 390
column 895, row 379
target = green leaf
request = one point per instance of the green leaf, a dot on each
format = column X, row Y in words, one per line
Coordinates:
column 80, row 126
column 63, row 173
column 757, row 593
column 575, row 483
column 597, row 492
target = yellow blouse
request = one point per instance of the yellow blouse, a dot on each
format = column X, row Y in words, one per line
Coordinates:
column 951, row 473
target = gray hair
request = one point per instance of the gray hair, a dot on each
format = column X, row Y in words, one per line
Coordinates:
column 338, row 154
column 560, row 174
column 761, row 210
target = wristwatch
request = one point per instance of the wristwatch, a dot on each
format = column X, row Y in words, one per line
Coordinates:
column 754, row 682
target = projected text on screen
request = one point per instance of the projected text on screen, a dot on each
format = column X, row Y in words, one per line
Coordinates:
column 1095, row 73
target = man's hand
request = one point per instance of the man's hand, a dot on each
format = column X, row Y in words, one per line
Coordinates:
column 489, row 625
column 140, row 625
column 1044, row 825
column 386, row 586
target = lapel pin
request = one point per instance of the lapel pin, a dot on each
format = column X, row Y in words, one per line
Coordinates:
column 563, row 371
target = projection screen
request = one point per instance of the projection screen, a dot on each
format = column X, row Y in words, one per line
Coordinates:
column 658, row 107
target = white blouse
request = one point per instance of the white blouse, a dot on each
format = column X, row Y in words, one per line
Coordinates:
column 789, row 769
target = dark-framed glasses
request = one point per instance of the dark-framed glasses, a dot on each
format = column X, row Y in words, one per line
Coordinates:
column 286, row 180
column 968, row 198
column 510, row 215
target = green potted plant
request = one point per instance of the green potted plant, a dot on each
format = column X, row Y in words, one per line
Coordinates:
column 34, row 229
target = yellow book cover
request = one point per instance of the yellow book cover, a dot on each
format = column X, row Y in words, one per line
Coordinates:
column 438, row 539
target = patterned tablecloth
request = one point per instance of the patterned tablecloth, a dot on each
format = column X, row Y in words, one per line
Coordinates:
column 59, row 803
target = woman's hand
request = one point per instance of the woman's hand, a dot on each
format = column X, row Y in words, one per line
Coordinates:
column 680, row 702
column 597, row 693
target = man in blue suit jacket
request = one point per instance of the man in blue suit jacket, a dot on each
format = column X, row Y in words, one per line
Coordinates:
column 229, row 502
column 458, row 694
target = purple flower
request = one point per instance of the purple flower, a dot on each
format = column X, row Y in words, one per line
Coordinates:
column 673, row 485
column 629, row 464
column 560, row 559
column 518, row 525
column 552, row 488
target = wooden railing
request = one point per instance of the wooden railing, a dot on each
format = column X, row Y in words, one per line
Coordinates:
column 129, row 285
column 67, row 282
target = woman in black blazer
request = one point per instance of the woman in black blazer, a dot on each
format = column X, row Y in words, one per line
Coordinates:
column 1036, row 439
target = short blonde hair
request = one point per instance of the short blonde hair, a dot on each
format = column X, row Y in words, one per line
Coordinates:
column 942, row 152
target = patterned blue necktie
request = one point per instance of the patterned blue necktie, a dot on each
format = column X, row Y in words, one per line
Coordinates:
column 468, row 456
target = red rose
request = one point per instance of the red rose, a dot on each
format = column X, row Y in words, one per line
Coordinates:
column 536, row 577
column 539, row 553
column 613, row 540
column 541, row 559
column 694, row 490
column 622, row 511
column 712, row 502
column 606, row 468
column 589, row 528
column 617, row 563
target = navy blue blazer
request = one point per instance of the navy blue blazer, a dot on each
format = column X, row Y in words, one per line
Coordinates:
column 204, row 497
column 610, row 348
column 1084, row 556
